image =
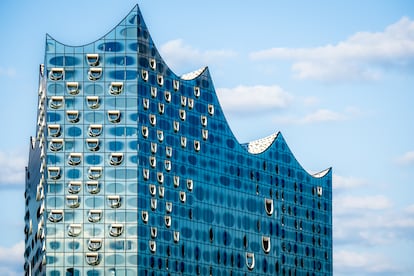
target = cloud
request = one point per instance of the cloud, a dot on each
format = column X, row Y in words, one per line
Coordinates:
column 362, row 263
column 371, row 202
column 406, row 159
column 11, row 259
column 363, row 56
column 342, row 182
column 182, row 56
column 7, row 72
column 254, row 98
column 12, row 166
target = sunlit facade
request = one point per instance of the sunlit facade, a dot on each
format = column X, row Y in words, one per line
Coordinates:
column 135, row 171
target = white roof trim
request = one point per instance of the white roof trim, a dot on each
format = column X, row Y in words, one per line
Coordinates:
column 259, row 146
column 194, row 74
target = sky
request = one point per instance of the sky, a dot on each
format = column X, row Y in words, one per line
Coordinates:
column 335, row 77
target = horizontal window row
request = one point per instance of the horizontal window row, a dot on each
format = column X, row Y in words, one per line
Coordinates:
column 94, row 173
column 75, row 229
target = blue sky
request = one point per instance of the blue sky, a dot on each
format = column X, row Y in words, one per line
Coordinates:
column 335, row 77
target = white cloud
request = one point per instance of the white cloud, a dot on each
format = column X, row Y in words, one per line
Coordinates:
column 363, row 56
column 406, row 159
column 253, row 98
column 12, row 166
column 341, row 182
column 8, row 72
column 11, row 259
column 372, row 202
column 322, row 115
column 180, row 56
column 346, row 261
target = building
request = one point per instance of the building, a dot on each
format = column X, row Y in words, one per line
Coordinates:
column 135, row 171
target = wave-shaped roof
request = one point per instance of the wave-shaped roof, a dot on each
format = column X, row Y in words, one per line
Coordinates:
column 133, row 28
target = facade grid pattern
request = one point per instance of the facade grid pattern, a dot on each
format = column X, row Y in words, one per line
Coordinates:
column 135, row 171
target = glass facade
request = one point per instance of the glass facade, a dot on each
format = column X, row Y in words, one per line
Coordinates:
column 135, row 171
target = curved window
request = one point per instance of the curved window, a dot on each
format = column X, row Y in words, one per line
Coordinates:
column 56, row 102
column 116, row 158
column 92, row 59
column 152, row 246
column 74, row 230
column 93, row 102
column 203, row 120
column 167, row 165
column 94, row 244
column 72, row 201
column 56, row 215
column 190, row 103
column 176, row 126
column 182, row 114
column 115, row 230
column 183, row 141
column 167, row 96
column 56, row 144
column 266, row 244
column 197, row 145
column 152, row 189
column 204, row 133
column 190, row 184
column 92, row 187
column 183, row 196
column 152, row 63
column 75, row 159
column 72, row 115
column 54, row 130
column 116, row 88
column 168, row 207
column 269, row 206
column 197, row 91
column 210, row 109
column 145, row 103
column 250, row 262
column 160, row 80
column 176, row 181
column 74, row 187
column 176, row 236
column 94, row 215
column 56, row 74
column 168, row 152
column 144, row 131
column 144, row 216
column 161, row 191
column 144, row 75
column 152, row 161
column 153, row 148
column 167, row 220
column 54, row 172
column 160, row 135
column 114, row 201
column 161, row 108
column 95, row 172
column 94, row 74
column 72, row 87
column 183, row 101
column 145, row 174
column 92, row 144
column 160, row 177
column 92, row 258
column 176, row 85
column 152, row 119
column 114, row 116
column 95, row 130
column 154, row 232
column 153, row 204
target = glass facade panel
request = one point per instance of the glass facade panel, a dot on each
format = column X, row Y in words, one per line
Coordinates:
column 134, row 170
